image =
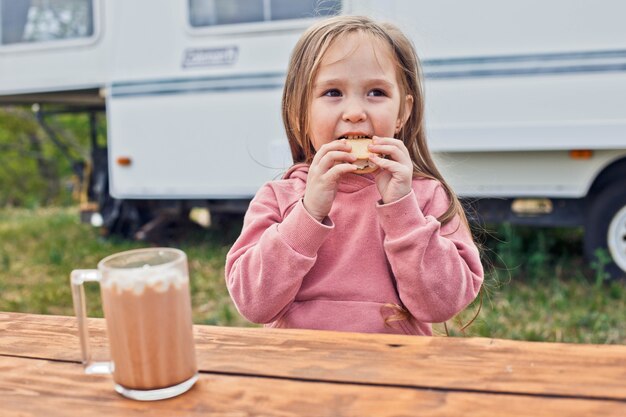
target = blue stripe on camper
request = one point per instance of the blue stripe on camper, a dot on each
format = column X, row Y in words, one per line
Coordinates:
column 526, row 65
column 560, row 56
column 510, row 72
column 198, row 84
column 467, row 67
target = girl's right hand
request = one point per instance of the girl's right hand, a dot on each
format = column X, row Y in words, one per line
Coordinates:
column 325, row 171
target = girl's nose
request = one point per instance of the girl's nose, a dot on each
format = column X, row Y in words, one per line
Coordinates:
column 354, row 112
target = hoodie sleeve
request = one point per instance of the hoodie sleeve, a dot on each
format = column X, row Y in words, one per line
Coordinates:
column 437, row 268
column 266, row 265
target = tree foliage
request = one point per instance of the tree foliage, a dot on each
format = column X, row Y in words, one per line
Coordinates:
column 34, row 170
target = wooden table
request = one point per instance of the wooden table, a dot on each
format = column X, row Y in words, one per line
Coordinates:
column 267, row 372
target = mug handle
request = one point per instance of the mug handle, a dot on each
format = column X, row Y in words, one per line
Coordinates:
column 77, row 278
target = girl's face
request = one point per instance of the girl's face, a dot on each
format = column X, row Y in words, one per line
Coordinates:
column 356, row 92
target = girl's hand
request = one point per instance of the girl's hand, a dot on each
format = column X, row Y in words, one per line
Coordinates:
column 324, row 173
column 395, row 173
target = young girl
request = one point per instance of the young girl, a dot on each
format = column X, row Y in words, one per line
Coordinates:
column 325, row 248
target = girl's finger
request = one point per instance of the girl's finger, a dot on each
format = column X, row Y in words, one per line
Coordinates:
column 381, row 140
column 393, row 152
column 390, row 165
column 390, row 142
column 385, row 150
column 340, row 169
column 332, row 158
column 335, row 145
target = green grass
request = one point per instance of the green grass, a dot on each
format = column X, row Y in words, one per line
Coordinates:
column 39, row 248
column 538, row 286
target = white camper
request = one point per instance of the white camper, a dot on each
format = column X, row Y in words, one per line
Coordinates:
column 526, row 100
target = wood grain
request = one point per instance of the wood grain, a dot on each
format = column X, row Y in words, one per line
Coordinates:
column 461, row 364
column 31, row 387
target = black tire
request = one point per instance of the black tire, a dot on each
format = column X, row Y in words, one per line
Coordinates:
column 605, row 228
column 120, row 217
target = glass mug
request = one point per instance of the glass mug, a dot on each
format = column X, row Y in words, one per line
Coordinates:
column 147, row 309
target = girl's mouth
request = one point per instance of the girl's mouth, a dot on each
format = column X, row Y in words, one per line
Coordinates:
column 354, row 137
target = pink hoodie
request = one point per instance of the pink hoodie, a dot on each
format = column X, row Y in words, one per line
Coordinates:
column 288, row 270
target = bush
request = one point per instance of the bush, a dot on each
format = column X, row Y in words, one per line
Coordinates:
column 35, row 168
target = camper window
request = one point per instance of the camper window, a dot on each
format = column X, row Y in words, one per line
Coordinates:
column 31, row 21
column 226, row 12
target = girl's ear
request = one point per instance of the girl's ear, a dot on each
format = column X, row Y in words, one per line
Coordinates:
column 408, row 108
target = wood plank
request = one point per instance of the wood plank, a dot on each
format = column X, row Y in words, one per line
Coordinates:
column 594, row 371
column 49, row 337
column 35, row 387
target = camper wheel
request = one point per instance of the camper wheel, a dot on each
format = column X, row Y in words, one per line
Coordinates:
column 605, row 228
column 121, row 217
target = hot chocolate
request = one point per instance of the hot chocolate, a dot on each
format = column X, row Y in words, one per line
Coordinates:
column 150, row 332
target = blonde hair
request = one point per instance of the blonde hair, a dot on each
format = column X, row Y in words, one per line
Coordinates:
column 302, row 71
column 303, row 68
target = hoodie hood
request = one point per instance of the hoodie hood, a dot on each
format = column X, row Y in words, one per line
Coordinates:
column 299, row 171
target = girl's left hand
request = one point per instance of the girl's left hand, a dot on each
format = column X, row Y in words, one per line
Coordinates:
column 394, row 173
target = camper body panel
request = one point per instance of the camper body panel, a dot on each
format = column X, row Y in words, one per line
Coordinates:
column 211, row 111
column 552, row 174
column 492, row 86
column 539, row 112
column 198, row 156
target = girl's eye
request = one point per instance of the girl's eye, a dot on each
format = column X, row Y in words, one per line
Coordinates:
column 376, row 92
column 332, row 93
